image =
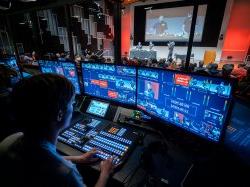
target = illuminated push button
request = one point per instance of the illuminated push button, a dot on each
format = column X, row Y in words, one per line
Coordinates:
column 121, row 153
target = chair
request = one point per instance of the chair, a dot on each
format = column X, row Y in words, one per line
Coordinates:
column 209, row 56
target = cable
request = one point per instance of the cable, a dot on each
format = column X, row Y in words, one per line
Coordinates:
column 185, row 177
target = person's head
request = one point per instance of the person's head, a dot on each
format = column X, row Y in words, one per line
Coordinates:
column 241, row 65
column 62, row 54
column 214, row 66
column 227, row 69
column 191, row 67
column 58, row 55
column 8, row 76
column 201, row 64
column 154, row 61
column 43, row 104
column 161, row 18
column 77, row 58
column 149, row 86
column 109, row 60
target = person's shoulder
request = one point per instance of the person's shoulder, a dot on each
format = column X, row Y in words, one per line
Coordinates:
column 75, row 178
column 67, row 174
column 9, row 141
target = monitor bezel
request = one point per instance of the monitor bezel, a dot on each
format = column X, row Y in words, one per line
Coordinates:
column 100, row 102
column 61, row 61
column 172, row 125
column 131, row 106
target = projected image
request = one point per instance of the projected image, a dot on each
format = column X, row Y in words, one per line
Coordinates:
column 198, row 104
column 110, row 82
column 174, row 24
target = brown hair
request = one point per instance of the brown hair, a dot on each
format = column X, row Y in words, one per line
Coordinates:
column 38, row 99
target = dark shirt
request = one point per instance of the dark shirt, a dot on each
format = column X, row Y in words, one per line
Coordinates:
column 36, row 164
column 160, row 27
column 6, row 120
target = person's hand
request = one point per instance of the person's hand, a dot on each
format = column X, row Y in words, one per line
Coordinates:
column 107, row 167
column 85, row 158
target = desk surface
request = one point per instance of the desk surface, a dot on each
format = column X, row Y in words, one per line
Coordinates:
column 174, row 174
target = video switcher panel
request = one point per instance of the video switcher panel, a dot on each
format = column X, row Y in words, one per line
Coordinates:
column 108, row 138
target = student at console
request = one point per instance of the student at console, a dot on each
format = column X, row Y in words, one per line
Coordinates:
column 44, row 106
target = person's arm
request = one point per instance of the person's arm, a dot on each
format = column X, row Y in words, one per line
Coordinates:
column 107, row 168
column 84, row 158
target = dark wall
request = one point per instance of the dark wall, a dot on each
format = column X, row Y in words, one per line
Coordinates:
column 41, row 40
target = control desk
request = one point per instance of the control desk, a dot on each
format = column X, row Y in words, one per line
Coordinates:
column 96, row 127
column 110, row 139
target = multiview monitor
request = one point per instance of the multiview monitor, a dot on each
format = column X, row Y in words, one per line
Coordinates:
column 108, row 81
column 196, row 103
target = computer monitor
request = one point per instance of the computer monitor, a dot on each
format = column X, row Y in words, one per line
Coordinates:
column 65, row 68
column 108, row 81
column 196, row 103
column 97, row 108
column 237, row 136
column 12, row 63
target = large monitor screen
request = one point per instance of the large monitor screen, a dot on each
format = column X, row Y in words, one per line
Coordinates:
column 174, row 24
column 198, row 104
column 98, row 108
column 65, row 68
column 109, row 81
